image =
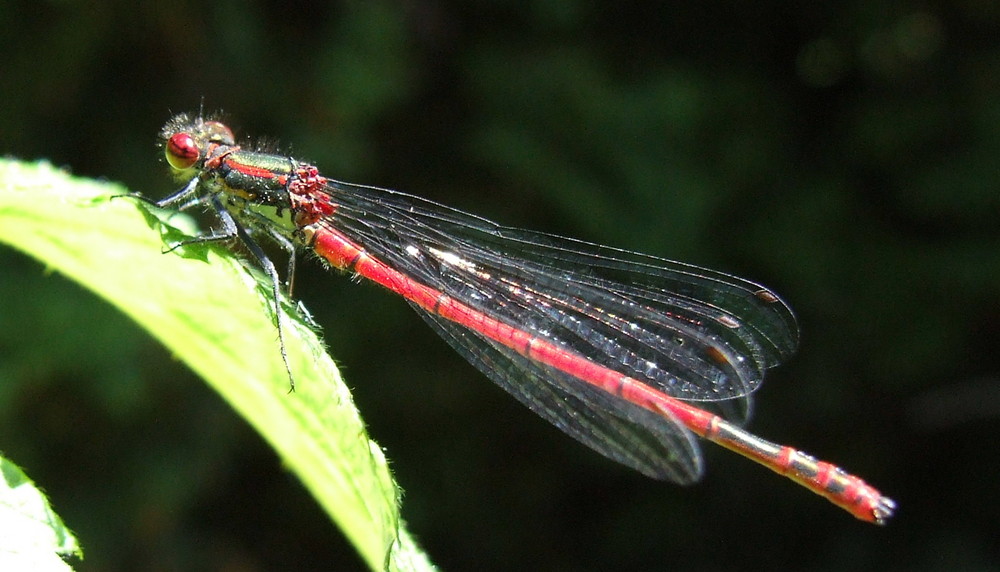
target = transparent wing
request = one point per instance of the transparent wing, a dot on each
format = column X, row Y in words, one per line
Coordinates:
column 655, row 446
column 691, row 333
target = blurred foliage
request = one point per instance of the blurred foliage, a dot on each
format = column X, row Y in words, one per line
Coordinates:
column 842, row 153
column 34, row 537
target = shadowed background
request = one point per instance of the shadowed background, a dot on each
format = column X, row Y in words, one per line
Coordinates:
column 845, row 155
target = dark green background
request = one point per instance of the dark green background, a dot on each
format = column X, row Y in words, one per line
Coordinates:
column 843, row 153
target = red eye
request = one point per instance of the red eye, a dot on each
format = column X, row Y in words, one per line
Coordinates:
column 182, row 151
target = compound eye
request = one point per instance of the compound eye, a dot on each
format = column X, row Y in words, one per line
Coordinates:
column 182, row 151
column 219, row 133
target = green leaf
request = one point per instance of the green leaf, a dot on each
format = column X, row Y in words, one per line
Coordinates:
column 32, row 536
column 212, row 313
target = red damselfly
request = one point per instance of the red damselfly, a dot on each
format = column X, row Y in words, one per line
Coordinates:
column 630, row 354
